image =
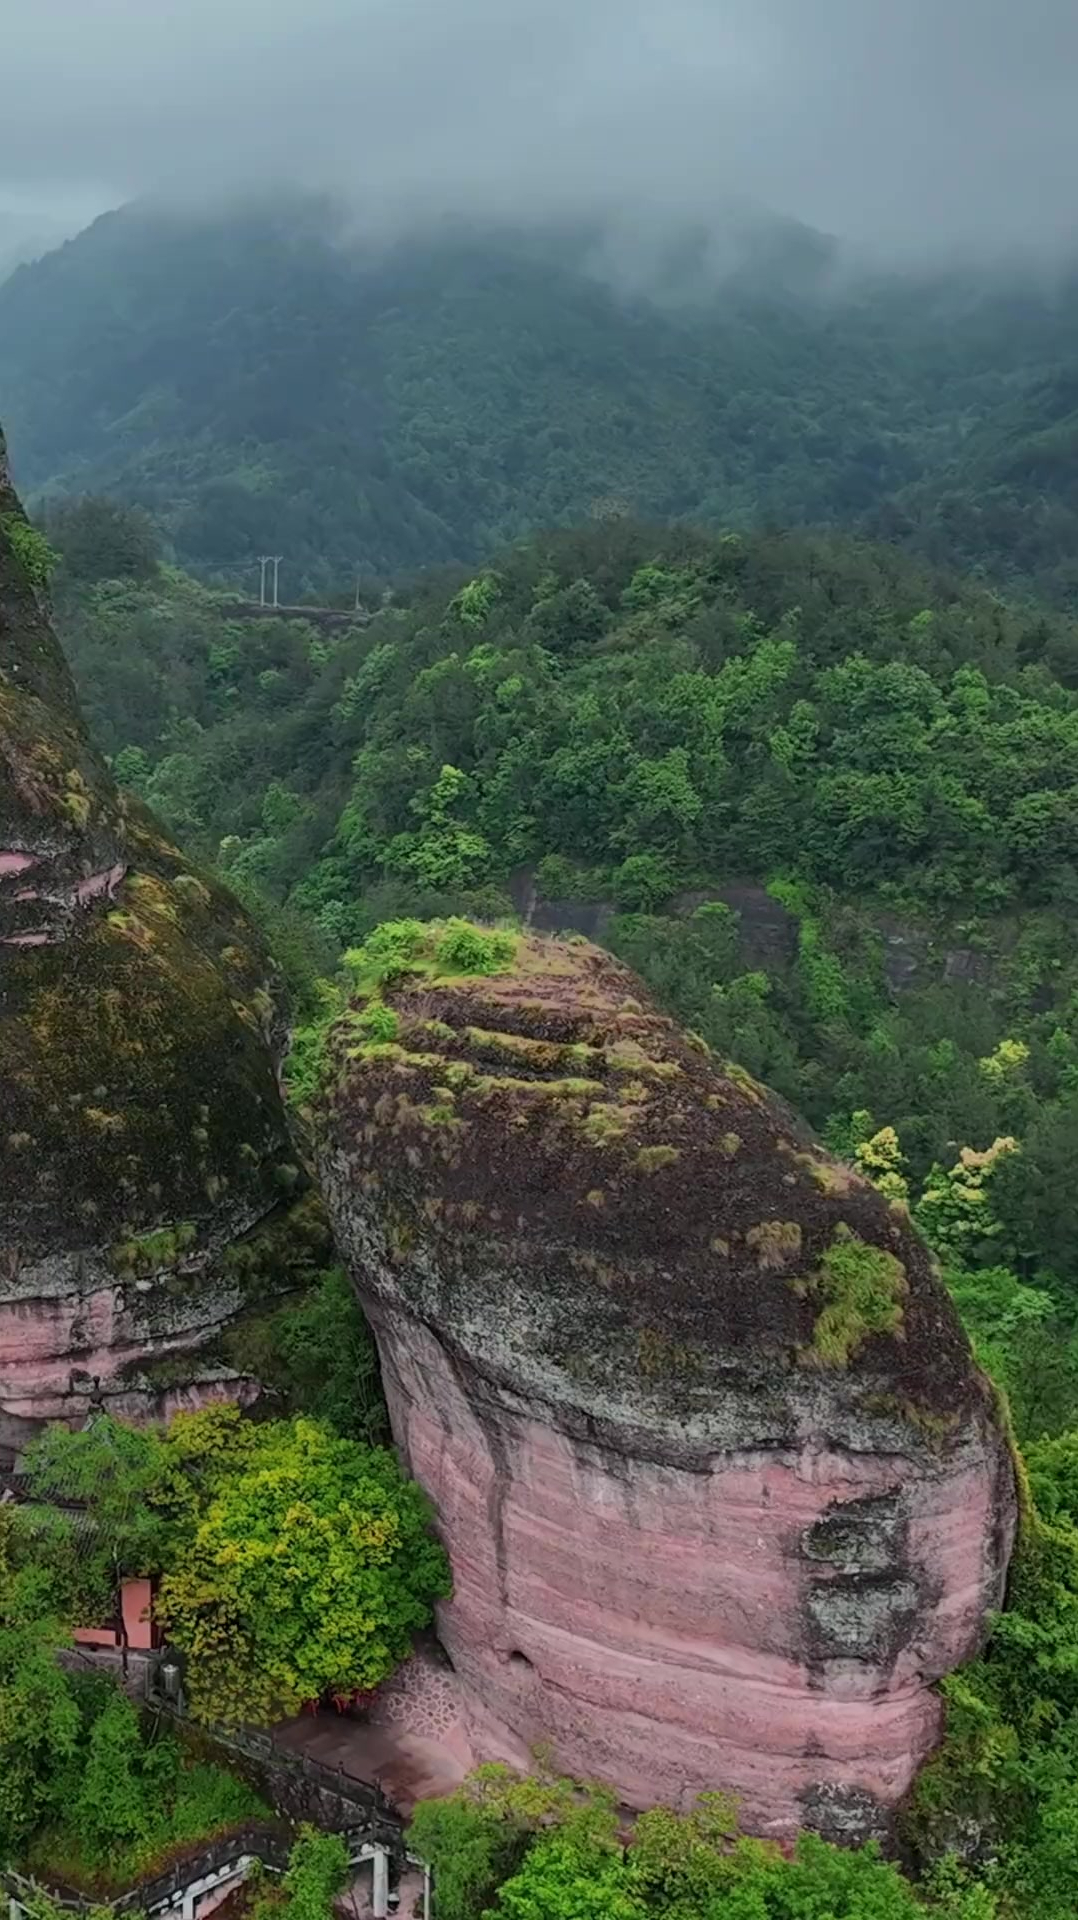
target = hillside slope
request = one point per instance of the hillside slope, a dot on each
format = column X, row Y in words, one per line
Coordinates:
column 872, row 769
column 261, row 383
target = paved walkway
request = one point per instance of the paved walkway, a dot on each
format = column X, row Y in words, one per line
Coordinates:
column 405, row 1765
column 413, row 1743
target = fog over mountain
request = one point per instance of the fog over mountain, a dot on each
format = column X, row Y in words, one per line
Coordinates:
column 396, row 281
column 913, row 132
column 30, row 224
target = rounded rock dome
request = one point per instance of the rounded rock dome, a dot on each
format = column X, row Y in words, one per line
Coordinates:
column 723, row 1488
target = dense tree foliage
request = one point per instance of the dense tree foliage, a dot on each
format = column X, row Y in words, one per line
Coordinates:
column 85, row 1793
column 315, row 1876
column 503, row 1848
column 228, row 1511
column 1002, row 1789
column 38, row 1717
column 99, row 539
column 111, row 1471
column 317, row 1356
column 293, row 1504
column 129, row 1795
column 598, row 698
column 259, row 381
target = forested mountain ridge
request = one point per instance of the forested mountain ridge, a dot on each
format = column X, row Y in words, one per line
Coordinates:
column 1006, row 504
column 264, row 382
column 259, row 383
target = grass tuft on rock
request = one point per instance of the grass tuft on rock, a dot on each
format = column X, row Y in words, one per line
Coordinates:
column 863, row 1291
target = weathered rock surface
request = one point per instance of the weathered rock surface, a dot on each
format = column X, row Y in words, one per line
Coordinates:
column 723, row 1490
column 141, row 1128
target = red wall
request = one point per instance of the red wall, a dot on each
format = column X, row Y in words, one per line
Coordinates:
column 136, row 1597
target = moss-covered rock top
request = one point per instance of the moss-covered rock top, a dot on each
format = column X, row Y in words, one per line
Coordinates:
column 514, row 1106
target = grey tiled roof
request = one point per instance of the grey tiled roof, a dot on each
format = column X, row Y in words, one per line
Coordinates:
column 16, row 1488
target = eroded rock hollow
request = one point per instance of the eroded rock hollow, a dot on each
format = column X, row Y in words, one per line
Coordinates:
column 142, row 1134
column 723, row 1489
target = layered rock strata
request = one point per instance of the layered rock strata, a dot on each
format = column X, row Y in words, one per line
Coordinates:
column 141, row 1130
column 723, row 1489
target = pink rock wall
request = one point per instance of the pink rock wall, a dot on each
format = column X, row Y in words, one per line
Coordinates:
column 675, row 1631
column 56, row 1351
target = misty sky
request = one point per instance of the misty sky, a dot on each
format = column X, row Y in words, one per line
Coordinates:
column 902, row 124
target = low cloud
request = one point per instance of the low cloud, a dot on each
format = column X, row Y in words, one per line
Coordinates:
column 912, row 131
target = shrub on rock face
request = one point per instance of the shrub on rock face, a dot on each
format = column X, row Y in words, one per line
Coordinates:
column 466, row 949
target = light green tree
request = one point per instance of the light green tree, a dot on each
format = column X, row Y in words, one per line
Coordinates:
column 317, row 1871
column 304, row 1516
column 445, row 855
column 880, row 1158
column 955, row 1211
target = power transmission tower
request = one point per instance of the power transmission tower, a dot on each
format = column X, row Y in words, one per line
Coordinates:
column 269, row 560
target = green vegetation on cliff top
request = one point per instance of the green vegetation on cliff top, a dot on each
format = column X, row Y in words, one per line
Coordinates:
column 471, row 1065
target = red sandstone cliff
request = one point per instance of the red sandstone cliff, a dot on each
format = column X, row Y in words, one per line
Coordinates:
column 141, row 1129
column 723, row 1490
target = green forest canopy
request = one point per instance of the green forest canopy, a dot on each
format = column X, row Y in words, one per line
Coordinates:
column 878, row 767
column 223, row 1509
column 260, row 382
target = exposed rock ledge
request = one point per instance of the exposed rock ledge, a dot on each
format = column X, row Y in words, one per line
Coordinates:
column 723, row 1489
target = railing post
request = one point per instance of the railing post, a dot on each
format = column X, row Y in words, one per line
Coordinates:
column 379, row 1884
